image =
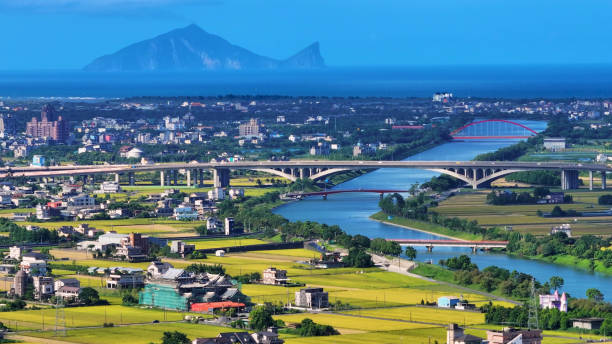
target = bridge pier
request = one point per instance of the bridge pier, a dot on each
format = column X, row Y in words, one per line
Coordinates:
column 132, row 178
column 221, row 177
column 569, row 179
column 117, row 178
column 603, row 180
column 325, row 197
column 429, row 248
column 188, row 177
column 201, row 177
column 162, row 178
column 474, row 249
column 591, row 180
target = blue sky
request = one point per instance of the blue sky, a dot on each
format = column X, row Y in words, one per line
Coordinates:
column 65, row 34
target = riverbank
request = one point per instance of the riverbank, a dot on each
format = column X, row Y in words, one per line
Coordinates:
column 573, row 262
column 565, row 260
column 424, row 227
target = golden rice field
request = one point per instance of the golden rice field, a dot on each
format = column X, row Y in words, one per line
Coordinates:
column 524, row 218
column 424, row 314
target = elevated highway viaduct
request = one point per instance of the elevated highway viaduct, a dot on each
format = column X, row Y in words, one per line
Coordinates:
column 474, row 173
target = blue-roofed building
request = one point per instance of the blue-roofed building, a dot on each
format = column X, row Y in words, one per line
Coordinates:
column 448, row 301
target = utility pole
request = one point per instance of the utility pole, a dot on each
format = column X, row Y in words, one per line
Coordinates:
column 532, row 322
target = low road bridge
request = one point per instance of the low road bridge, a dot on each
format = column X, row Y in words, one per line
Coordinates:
column 331, row 192
column 475, row 245
column 474, row 173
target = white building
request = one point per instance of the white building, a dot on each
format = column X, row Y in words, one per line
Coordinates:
column 112, row 238
column 185, row 213
column 68, row 293
column 229, row 225
column 109, row 187
column 235, row 193
column 554, row 144
column 134, row 153
column 82, row 200
column 156, row 269
column 34, row 267
column 217, row 194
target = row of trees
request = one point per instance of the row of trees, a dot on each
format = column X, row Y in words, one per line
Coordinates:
column 588, row 247
column 509, row 283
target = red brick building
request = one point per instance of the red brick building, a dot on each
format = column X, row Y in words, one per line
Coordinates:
column 48, row 126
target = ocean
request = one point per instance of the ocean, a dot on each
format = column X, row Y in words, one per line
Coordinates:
column 556, row 81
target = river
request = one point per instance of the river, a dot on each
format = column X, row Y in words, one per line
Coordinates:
column 351, row 212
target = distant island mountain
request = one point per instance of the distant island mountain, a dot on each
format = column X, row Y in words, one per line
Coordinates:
column 193, row 49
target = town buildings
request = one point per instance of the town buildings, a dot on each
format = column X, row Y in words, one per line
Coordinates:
column 249, row 129
column 50, row 125
column 178, row 289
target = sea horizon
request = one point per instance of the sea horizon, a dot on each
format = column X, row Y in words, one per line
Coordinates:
column 553, row 81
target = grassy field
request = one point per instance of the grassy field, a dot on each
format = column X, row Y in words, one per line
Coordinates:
column 137, row 334
column 424, row 226
column 366, row 289
column 350, row 322
column 524, row 218
column 86, row 316
column 224, row 242
column 424, row 314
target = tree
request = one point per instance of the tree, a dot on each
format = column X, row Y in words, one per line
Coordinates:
column 541, row 192
column 308, row 328
column 89, row 296
column 557, row 212
column 594, row 294
column 175, row 337
column 201, row 230
column 411, row 252
column 129, row 299
column 556, row 282
column 260, row 318
column 358, row 258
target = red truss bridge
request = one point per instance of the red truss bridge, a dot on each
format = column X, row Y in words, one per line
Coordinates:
column 475, row 245
column 493, row 129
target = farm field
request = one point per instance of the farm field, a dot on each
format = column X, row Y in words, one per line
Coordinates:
column 524, row 217
column 137, row 334
column 424, row 314
column 148, row 226
column 224, row 242
column 385, row 305
column 86, row 316
column 351, row 323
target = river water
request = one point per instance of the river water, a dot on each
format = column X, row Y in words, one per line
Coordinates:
column 351, row 212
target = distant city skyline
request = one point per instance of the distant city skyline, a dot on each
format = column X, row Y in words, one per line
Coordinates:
column 68, row 34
